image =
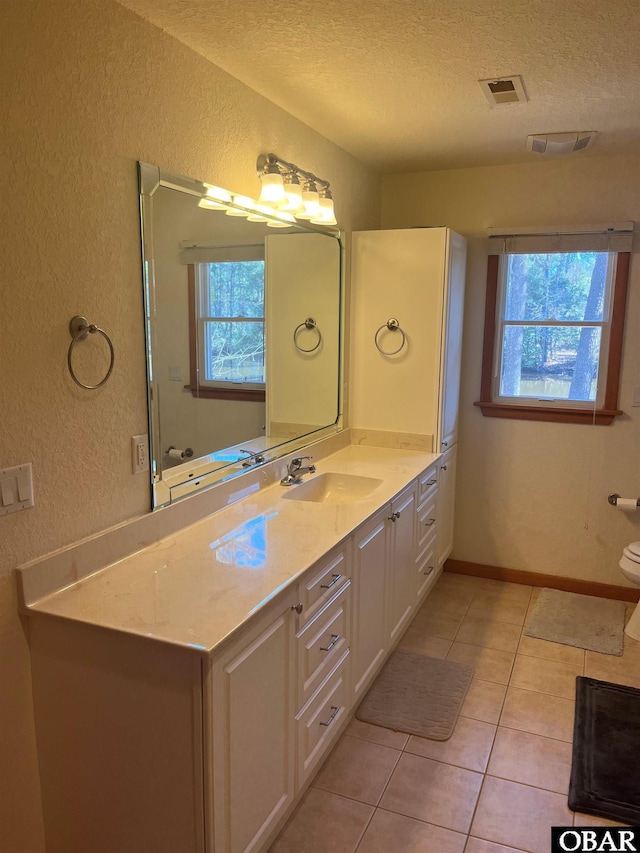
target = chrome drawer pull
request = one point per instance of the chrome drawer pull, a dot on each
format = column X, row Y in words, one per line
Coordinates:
column 431, row 482
column 334, row 640
column 429, row 570
column 336, row 578
column 332, row 717
column 429, row 523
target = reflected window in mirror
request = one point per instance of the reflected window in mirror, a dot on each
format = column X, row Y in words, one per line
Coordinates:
column 226, row 325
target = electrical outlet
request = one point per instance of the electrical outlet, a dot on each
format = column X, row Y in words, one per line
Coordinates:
column 139, row 453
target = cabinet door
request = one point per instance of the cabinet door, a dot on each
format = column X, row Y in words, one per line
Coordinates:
column 401, row 563
column 252, row 704
column 368, row 579
column 446, row 503
column 452, row 343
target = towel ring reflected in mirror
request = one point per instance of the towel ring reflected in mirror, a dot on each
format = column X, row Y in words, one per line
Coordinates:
column 310, row 324
column 392, row 325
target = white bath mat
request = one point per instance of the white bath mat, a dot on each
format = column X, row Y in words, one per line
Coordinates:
column 583, row 621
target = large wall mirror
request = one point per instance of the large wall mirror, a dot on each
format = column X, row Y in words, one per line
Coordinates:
column 243, row 332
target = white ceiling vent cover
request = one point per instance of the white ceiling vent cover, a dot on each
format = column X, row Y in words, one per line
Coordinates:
column 560, row 143
column 503, row 90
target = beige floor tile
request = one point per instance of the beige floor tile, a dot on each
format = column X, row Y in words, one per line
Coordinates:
column 393, row 832
column 484, row 701
column 531, row 759
column 430, row 622
column 469, row 745
column 376, row 734
column 357, row 769
column 487, row 605
column 431, row 791
column 519, row 816
column 452, row 580
column 505, row 590
column 488, row 664
column 452, row 601
column 532, row 602
column 545, row 676
column 538, row 713
column 626, row 664
column 611, row 675
column 477, row 845
column 486, row 632
column 415, row 640
column 324, row 821
column 535, row 648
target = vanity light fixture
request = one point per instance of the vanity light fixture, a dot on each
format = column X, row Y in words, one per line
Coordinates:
column 215, row 199
column 325, row 215
column 245, row 204
column 272, row 185
column 290, row 188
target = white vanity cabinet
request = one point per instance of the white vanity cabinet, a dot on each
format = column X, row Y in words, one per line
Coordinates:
column 427, row 529
column 250, row 693
column 415, row 276
column 384, row 585
column 446, row 503
column 167, row 747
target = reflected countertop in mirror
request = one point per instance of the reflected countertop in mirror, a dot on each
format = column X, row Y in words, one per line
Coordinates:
column 243, row 333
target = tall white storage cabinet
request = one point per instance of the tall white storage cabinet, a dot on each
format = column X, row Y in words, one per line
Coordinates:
column 415, row 277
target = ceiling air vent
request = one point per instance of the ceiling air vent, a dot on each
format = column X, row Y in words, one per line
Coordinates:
column 503, row 90
column 560, row 143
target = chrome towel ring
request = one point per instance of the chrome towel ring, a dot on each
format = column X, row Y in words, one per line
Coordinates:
column 80, row 330
column 392, row 325
column 310, row 324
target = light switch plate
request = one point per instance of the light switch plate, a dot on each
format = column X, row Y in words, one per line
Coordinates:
column 16, row 488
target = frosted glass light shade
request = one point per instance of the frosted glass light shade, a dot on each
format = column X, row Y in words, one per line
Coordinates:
column 215, row 199
column 310, row 202
column 243, row 201
column 293, row 195
column 272, row 189
column 281, row 220
column 326, row 215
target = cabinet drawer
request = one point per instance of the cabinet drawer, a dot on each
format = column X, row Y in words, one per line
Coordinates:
column 322, row 582
column 426, row 568
column 427, row 484
column 319, row 721
column 322, row 642
column 426, row 525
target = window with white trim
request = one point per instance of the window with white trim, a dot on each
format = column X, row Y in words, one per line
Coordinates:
column 553, row 327
column 226, row 321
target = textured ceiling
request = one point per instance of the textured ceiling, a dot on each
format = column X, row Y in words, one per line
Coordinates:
column 394, row 82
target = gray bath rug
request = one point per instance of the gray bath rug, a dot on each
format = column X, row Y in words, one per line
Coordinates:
column 417, row 695
column 583, row 621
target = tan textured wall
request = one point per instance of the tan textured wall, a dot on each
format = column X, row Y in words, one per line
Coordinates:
column 87, row 90
column 531, row 495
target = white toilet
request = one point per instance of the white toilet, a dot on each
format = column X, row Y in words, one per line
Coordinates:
column 630, row 565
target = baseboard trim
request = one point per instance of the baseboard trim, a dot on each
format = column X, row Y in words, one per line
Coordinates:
column 602, row 590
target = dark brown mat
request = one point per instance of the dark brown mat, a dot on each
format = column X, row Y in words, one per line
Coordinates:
column 418, row 695
column 605, row 770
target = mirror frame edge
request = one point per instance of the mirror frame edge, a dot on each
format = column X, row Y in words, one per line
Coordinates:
column 150, row 178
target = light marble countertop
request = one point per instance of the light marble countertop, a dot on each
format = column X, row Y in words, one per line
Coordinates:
column 196, row 587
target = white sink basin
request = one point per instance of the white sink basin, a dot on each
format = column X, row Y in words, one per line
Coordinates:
column 331, row 488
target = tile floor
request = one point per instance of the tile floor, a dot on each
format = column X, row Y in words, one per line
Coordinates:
column 501, row 781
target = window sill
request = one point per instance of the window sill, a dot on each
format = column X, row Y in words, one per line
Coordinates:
column 554, row 414
column 239, row 394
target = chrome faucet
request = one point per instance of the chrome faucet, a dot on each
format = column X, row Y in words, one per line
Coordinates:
column 296, row 470
column 253, row 458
